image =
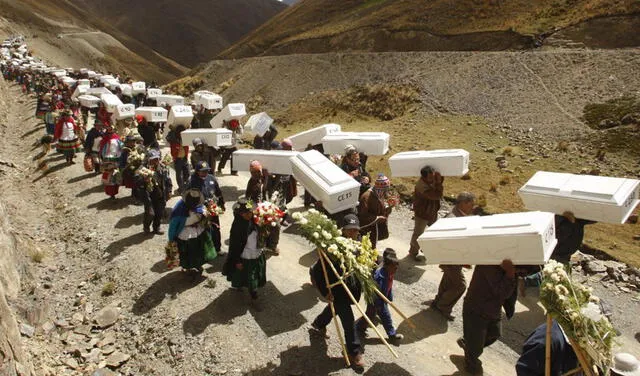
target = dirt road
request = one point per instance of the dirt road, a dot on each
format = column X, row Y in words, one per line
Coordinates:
column 172, row 325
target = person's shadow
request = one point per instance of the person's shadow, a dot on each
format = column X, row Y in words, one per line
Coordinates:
column 458, row 361
column 88, row 191
column 129, row 221
column 386, row 369
column 170, row 284
column 427, row 323
column 516, row 330
column 118, row 246
column 408, row 271
column 308, row 259
column 222, row 310
column 297, row 360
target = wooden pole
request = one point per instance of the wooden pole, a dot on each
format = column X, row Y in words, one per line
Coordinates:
column 333, row 310
column 582, row 358
column 389, row 302
column 547, row 347
column 364, row 315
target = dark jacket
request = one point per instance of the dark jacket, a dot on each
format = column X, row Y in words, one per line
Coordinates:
column 489, row 288
column 208, row 155
column 340, row 296
column 362, row 174
column 90, row 138
column 426, row 200
column 258, row 189
column 209, row 187
column 532, row 360
column 240, row 229
column 148, row 134
column 570, row 236
column 161, row 191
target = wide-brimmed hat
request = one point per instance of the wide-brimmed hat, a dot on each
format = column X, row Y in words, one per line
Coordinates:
column 243, row 205
column 626, row 364
column 389, row 256
column 193, row 197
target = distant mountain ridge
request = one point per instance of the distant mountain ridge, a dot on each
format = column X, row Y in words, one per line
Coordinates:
column 187, row 32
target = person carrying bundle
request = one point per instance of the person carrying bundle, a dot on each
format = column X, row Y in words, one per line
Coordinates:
column 226, row 151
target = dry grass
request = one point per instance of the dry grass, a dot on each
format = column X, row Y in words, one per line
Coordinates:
column 37, row 255
column 108, row 289
column 505, row 180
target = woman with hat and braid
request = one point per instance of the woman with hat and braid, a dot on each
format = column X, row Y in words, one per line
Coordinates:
column 373, row 210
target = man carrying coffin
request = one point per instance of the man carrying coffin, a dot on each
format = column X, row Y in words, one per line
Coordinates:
column 490, row 287
column 453, row 284
column 426, row 204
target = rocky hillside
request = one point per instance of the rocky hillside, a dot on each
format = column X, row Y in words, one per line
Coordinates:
column 67, row 35
column 313, row 26
column 195, row 32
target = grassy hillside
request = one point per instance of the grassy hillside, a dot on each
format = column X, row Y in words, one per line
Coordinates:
column 188, row 32
column 385, row 25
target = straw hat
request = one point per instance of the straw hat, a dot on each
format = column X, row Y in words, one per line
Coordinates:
column 626, row 365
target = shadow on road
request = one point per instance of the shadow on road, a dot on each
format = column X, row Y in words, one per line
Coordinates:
column 88, row 191
column 408, row 271
column 170, row 284
column 428, row 323
column 129, row 221
column 222, row 310
column 80, row 178
column 231, row 193
column 51, row 170
column 386, row 369
column 118, row 246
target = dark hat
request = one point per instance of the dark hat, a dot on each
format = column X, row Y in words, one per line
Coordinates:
column 197, row 141
column 193, row 197
column 202, row 166
column 243, row 205
column 351, row 221
column 153, row 154
column 389, row 256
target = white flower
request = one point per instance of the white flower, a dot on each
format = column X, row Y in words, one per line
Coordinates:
column 594, row 299
column 555, row 277
column 326, row 235
column 297, row 216
column 313, row 211
column 333, row 248
column 318, row 228
column 592, row 312
column 273, row 224
column 303, row 221
column 315, row 235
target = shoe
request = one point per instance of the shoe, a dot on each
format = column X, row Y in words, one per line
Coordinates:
column 317, row 330
column 419, row 257
column 146, row 230
column 234, row 173
column 474, row 370
column 356, row 360
column 396, row 337
column 462, row 343
column 158, row 232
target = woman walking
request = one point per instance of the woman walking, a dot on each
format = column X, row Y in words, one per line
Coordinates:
column 66, row 133
column 110, row 151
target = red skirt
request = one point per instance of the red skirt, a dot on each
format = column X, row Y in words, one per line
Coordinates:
column 111, row 190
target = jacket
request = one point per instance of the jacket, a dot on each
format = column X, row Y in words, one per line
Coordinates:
column 240, row 229
column 208, row 155
column 161, row 190
column 340, row 296
column 369, row 209
column 426, row 200
column 258, row 189
column 532, row 360
column 209, row 187
column 489, row 288
column 570, row 236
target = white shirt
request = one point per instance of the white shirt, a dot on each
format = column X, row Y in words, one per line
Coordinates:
column 68, row 133
column 191, row 230
column 251, row 250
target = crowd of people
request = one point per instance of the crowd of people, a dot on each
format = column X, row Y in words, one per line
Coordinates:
column 127, row 153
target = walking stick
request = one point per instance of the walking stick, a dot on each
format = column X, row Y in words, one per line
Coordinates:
column 389, row 302
column 547, row 348
column 364, row 315
column 333, row 310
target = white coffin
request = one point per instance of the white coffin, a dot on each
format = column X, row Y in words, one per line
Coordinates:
column 313, row 136
column 112, row 83
column 524, row 238
column 325, row 181
column 80, row 90
column 213, row 137
column 69, row 70
column 180, row 115
column 98, row 91
column 125, row 111
column 139, row 87
column 276, row 161
column 231, row 111
column 152, row 114
column 153, row 93
column 68, row 81
column 84, row 82
column 104, row 78
column 92, row 74
column 596, row 198
column 126, row 90
column 208, row 100
column 448, row 162
column 84, row 70
column 371, row 143
column 89, row 101
column 259, row 123
column 170, row 100
column 111, row 101
column 59, row 73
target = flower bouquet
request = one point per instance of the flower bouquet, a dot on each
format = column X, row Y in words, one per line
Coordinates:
column 147, row 176
column 135, row 159
column 577, row 311
column 355, row 257
column 267, row 216
column 167, row 160
column 211, row 209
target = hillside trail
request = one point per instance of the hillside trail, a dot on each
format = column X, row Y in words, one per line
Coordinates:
column 171, row 324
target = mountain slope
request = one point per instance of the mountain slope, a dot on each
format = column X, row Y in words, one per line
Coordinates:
column 188, row 32
column 67, row 35
column 406, row 25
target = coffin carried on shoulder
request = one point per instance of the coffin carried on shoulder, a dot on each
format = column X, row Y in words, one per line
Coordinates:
column 125, row 111
column 139, row 87
column 180, row 115
column 153, row 93
column 276, row 161
column 524, row 238
column 89, row 101
column 84, row 82
column 104, row 78
column 126, row 90
column 371, row 143
column 448, row 162
column 111, row 101
column 325, row 181
column 84, row 70
column 98, row 91
column 152, row 114
column 112, row 84
column 230, row 112
column 213, row 137
column 259, row 123
column 596, row 198
column 92, row 74
column 80, row 90
column 313, row 136
column 208, row 100
column 68, row 80
column 170, row 100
